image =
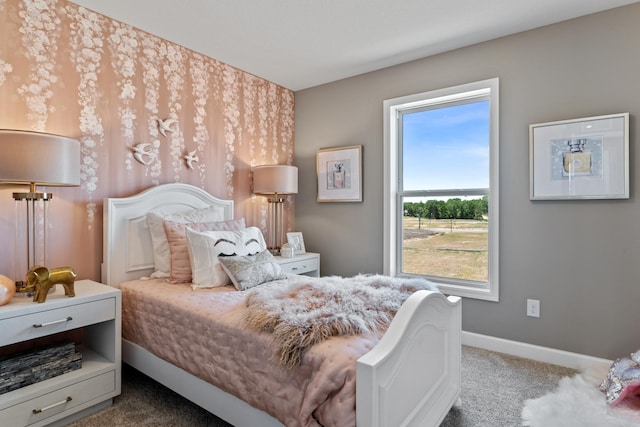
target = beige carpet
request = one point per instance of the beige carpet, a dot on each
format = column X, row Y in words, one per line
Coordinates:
column 494, row 388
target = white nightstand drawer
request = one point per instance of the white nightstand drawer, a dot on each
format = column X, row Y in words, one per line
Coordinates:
column 66, row 398
column 308, row 264
column 46, row 322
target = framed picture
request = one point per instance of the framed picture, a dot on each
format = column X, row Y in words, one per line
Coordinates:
column 580, row 159
column 339, row 174
column 295, row 240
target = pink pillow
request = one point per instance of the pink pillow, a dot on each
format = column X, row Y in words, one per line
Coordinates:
column 177, row 239
column 161, row 257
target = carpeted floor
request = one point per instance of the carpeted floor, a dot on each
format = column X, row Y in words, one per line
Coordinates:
column 494, row 388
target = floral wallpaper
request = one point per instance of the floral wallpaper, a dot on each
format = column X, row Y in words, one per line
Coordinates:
column 145, row 111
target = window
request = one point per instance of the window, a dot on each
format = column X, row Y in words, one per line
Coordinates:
column 441, row 188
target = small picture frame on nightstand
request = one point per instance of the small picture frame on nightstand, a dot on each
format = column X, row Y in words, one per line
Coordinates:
column 295, row 240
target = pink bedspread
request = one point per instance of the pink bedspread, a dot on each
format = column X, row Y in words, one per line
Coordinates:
column 201, row 332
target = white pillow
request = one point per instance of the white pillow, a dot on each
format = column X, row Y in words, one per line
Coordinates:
column 161, row 255
column 205, row 247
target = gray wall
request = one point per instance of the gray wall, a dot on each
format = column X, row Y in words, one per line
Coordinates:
column 579, row 258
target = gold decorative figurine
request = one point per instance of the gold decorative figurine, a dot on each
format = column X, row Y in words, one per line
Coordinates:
column 40, row 280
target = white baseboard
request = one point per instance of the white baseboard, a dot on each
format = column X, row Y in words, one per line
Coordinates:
column 576, row 361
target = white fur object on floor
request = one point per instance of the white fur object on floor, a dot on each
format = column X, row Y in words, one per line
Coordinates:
column 578, row 402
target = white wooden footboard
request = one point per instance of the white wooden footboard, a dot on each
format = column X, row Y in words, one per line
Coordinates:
column 412, row 376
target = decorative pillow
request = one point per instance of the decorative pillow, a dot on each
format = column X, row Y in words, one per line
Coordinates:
column 623, row 379
column 176, row 233
column 248, row 271
column 159, row 242
column 205, row 248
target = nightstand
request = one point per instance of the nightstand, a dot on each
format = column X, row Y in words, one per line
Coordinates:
column 306, row 264
column 93, row 317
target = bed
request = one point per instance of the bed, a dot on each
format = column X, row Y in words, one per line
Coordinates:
column 411, row 377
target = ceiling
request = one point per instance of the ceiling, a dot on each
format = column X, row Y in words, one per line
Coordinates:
column 304, row 43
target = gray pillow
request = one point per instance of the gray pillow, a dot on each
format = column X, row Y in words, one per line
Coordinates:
column 248, row 271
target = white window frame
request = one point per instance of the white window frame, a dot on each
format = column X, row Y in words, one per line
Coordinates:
column 392, row 205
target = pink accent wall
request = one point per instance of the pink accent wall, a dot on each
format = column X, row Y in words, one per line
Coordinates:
column 70, row 71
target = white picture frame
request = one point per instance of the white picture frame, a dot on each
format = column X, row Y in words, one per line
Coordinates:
column 585, row 158
column 296, row 241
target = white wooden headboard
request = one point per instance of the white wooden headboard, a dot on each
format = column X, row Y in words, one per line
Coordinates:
column 127, row 248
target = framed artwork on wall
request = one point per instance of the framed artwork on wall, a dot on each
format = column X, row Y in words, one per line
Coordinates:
column 584, row 158
column 339, row 174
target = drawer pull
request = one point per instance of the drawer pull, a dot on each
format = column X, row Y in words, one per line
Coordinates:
column 297, row 268
column 55, row 322
column 46, row 408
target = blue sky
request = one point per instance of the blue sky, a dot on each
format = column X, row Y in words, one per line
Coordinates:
column 447, row 148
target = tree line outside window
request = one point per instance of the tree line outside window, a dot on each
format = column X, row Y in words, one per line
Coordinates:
column 455, row 208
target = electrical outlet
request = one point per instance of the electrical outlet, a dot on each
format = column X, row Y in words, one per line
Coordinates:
column 533, row 308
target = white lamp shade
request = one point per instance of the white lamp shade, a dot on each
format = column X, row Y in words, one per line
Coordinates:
column 38, row 158
column 275, row 179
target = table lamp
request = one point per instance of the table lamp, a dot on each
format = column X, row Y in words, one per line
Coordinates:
column 275, row 181
column 36, row 158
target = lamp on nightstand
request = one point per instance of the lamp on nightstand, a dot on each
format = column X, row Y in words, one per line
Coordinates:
column 36, row 158
column 275, row 181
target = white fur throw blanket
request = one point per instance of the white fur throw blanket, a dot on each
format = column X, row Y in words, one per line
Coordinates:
column 310, row 311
